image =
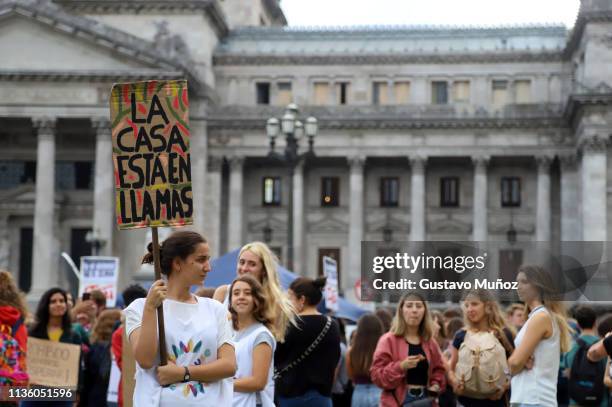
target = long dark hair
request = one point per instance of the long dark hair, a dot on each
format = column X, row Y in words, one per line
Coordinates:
column 179, row 244
column 311, row 289
column 39, row 329
column 369, row 330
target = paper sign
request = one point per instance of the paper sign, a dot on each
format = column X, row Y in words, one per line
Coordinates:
column 330, row 269
column 53, row 364
column 100, row 273
column 152, row 163
column 112, row 394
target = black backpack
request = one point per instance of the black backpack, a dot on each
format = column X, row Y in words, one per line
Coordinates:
column 586, row 385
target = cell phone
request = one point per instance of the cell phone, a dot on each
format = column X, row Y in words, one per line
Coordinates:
column 86, row 296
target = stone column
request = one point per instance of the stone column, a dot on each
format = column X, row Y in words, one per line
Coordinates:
column 594, row 183
column 356, row 220
column 45, row 254
column 543, row 209
column 212, row 204
column 104, row 195
column 480, row 228
column 199, row 156
column 298, row 220
column 570, row 199
column 5, row 244
column 234, row 233
column 417, row 199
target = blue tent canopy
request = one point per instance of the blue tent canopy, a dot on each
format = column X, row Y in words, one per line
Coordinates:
column 224, row 271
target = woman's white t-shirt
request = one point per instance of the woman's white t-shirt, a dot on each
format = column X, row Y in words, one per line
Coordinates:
column 194, row 332
column 246, row 341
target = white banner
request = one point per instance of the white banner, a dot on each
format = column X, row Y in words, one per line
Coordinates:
column 112, row 395
column 330, row 269
column 100, row 273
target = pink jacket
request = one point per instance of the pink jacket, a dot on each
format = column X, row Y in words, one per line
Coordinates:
column 386, row 372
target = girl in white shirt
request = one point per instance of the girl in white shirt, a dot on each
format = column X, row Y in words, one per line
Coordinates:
column 256, row 259
column 534, row 364
column 201, row 358
column 255, row 344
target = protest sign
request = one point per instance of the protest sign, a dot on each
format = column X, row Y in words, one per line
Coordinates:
column 151, row 156
column 100, row 273
column 53, row 364
column 330, row 270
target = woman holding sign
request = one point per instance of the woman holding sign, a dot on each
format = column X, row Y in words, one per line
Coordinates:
column 198, row 334
column 53, row 323
column 257, row 260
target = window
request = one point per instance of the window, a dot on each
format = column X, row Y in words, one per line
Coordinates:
column 342, row 89
column 510, row 192
column 71, row 175
column 380, row 93
column 461, row 91
column 439, row 93
column 284, row 95
column 263, row 93
column 321, row 93
column 500, row 93
column 330, row 191
column 271, row 191
column 15, row 173
column 402, row 92
column 389, row 191
column 449, row 192
column 523, row 91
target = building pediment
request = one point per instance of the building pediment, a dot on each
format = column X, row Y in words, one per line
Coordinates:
column 47, row 43
column 54, row 47
column 327, row 223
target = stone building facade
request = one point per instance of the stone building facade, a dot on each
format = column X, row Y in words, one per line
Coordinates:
column 425, row 133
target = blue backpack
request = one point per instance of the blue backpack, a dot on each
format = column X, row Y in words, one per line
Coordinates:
column 586, row 385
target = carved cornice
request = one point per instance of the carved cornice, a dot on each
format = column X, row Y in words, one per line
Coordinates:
column 101, row 125
column 357, row 162
column 210, row 7
column 91, row 76
column 417, row 163
column 594, row 144
column 543, row 162
column 214, row 163
column 386, row 59
column 480, row 162
column 568, row 161
column 236, row 162
column 395, row 117
column 45, row 126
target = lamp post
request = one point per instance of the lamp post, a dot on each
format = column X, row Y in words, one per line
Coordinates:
column 95, row 240
column 294, row 130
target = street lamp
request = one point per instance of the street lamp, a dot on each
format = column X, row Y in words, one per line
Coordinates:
column 294, row 130
column 96, row 241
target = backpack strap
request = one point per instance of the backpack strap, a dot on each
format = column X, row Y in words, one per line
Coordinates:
column 16, row 326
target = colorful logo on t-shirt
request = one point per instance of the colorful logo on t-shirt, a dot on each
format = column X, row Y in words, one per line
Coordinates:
column 185, row 348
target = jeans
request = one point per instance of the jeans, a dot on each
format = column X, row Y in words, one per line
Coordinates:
column 311, row 398
column 411, row 397
column 366, row 395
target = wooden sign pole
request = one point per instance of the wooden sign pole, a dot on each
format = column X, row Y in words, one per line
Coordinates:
column 163, row 352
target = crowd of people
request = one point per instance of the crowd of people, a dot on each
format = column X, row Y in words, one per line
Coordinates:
column 252, row 344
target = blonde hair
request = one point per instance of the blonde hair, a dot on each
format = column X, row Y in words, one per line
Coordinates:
column 495, row 319
column 278, row 304
column 399, row 327
column 10, row 294
column 103, row 329
column 547, row 290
